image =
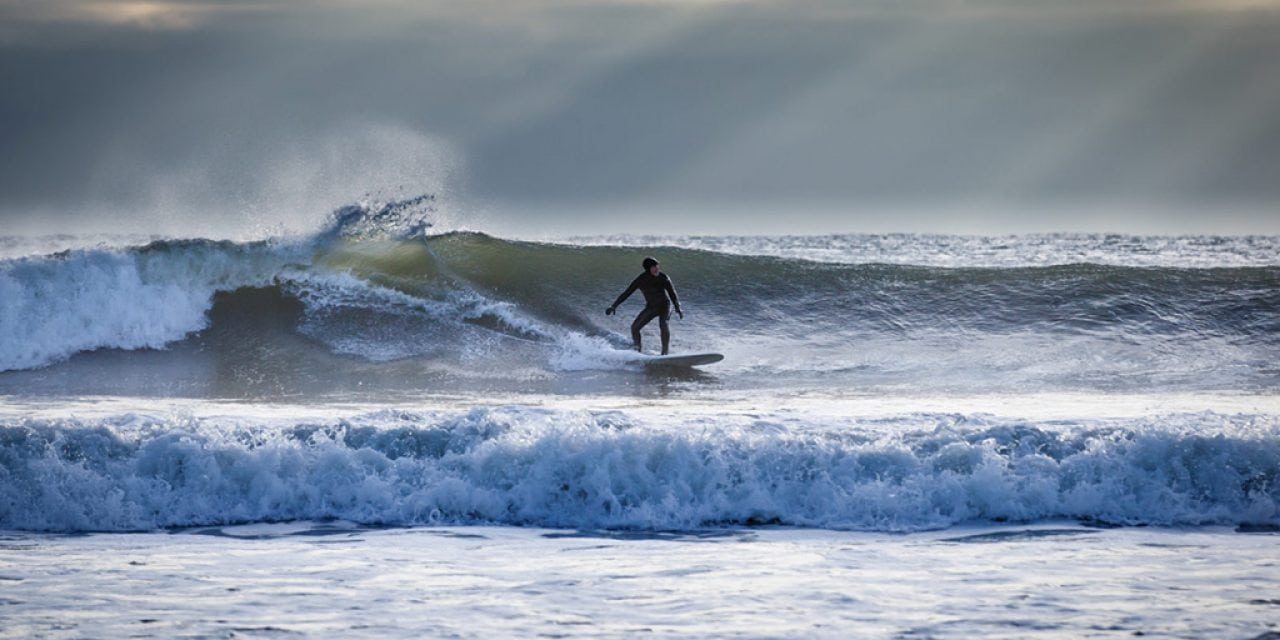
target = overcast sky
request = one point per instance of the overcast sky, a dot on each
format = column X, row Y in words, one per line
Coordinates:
column 644, row 116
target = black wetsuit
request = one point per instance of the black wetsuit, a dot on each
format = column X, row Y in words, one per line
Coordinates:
column 656, row 290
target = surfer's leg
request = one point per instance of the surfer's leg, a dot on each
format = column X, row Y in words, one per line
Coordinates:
column 635, row 331
column 664, row 329
column 641, row 320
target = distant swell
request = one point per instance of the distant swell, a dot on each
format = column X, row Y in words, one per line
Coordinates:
column 522, row 466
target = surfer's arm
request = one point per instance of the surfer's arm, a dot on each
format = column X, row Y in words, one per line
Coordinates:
column 626, row 294
column 671, row 293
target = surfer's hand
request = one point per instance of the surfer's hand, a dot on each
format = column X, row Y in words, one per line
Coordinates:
column 609, row 311
column 680, row 313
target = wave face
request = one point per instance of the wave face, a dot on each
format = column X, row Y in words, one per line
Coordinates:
column 375, row 302
column 612, row 469
column 146, row 297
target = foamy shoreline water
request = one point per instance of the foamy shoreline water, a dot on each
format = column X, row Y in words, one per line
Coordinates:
column 683, row 402
column 1053, row 580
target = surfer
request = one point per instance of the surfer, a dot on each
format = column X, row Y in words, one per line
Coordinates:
column 656, row 287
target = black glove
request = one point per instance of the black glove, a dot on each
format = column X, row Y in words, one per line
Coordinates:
column 609, row 311
column 680, row 313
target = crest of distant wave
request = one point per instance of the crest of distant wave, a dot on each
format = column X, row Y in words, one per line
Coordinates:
column 941, row 250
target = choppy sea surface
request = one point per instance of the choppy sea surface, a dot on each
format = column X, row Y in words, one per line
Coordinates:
column 377, row 430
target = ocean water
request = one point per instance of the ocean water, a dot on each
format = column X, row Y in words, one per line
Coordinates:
column 380, row 430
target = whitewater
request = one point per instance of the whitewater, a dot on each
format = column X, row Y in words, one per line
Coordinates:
column 385, row 429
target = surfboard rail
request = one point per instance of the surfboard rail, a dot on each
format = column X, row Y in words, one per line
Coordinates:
column 681, row 360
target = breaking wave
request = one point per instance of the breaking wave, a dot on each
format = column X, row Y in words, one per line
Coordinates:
column 610, row 469
column 376, row 287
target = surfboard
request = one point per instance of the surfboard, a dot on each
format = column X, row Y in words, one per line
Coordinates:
column 682, row 360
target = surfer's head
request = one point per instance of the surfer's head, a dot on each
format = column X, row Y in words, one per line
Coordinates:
column 650, row 265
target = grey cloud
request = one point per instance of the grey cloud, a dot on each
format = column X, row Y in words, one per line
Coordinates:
column 817, row 105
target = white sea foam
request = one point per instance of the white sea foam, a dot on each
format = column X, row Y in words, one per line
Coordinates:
column 622, row 469
column 55, row 306
column 578, row 352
